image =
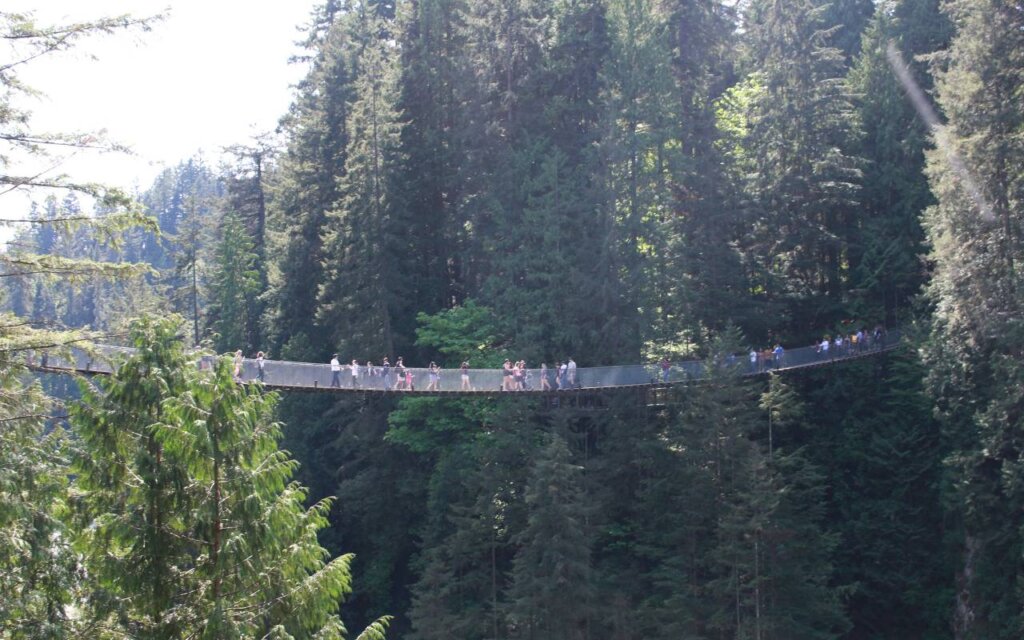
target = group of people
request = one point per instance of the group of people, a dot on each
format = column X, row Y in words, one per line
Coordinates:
column 238, row 361
column 842, row 345
column 516, row 376
column 761, row 361
column 392, row 377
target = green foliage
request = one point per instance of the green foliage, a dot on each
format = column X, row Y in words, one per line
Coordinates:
column 307, row 188
column 192, row 525
column 233, row 287
column 887, row 264
column 974, row 357
column 38, row 570
column 365, row 237
column 805, row 179
column 466, row 333
column 552, row 584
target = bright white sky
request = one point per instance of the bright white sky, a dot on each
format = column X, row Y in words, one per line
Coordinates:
column 213, row 73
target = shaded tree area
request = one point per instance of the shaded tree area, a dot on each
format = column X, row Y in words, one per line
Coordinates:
column 614, row 181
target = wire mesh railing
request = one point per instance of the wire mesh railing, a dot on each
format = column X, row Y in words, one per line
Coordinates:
column 304, row 375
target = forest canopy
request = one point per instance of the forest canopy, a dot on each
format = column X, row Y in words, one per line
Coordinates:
column 615, row 181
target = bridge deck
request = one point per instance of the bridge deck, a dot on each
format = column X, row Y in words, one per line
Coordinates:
column 311, row 377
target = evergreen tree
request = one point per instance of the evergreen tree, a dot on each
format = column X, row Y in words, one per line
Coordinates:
column 432, row 85
column 246, row 187
column 193, row 526
column 552, row 590
column 887, row 263
column 364, row 237
column 638, row 147
column 974, row 229
column 806, row 181
column 704, row 224
column 308, row 188
column 234, row 284
column 38, row 570
column 848, row 18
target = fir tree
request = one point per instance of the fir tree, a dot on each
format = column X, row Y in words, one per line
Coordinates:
column 974, row 229
column 234, row 285
column 806, row 181
column 552, row 583
column 38, row 569
column 887, row 262
column 364, row 239
column 308, row 188
column 193, row 526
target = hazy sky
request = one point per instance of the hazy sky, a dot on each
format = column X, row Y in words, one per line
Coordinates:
column 213, row 73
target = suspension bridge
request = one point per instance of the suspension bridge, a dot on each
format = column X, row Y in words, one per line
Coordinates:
column 316, row 377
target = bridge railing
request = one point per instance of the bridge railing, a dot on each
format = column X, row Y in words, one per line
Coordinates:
column 279, row 373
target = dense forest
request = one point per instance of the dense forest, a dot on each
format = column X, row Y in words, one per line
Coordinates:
column 618, row 181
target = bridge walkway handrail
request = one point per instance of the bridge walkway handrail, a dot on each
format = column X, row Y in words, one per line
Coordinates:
column 284, row 374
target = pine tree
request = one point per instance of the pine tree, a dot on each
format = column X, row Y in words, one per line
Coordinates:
column 806, row 181
column 38, row 569
column 234, row 285
column 193, row 528
column 552, row 583
column 974, row 229
column 639, row 141
column 704, row 223
column 433, row 70
column 308, row 188
column 247, row 192
column 887, row 263
column 365, row 239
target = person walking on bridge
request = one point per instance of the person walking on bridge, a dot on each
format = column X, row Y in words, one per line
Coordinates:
column 385, row 372
column 399, row 373
column 354, row 368
column 434, row 377
column 335, row 372
column 464, row 370
column 571, row 369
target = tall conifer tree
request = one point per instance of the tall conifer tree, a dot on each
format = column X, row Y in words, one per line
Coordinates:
column 366, row 243
column 193, row 526
column 977, row 176
column 806, row 181
column 309, row 187
column 887, row 262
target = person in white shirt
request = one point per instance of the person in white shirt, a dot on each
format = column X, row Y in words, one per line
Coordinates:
column 572, row 372
column 355, row 373
column 335, row 371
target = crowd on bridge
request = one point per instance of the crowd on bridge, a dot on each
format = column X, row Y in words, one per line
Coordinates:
column 515, row 376
column 563, row 375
